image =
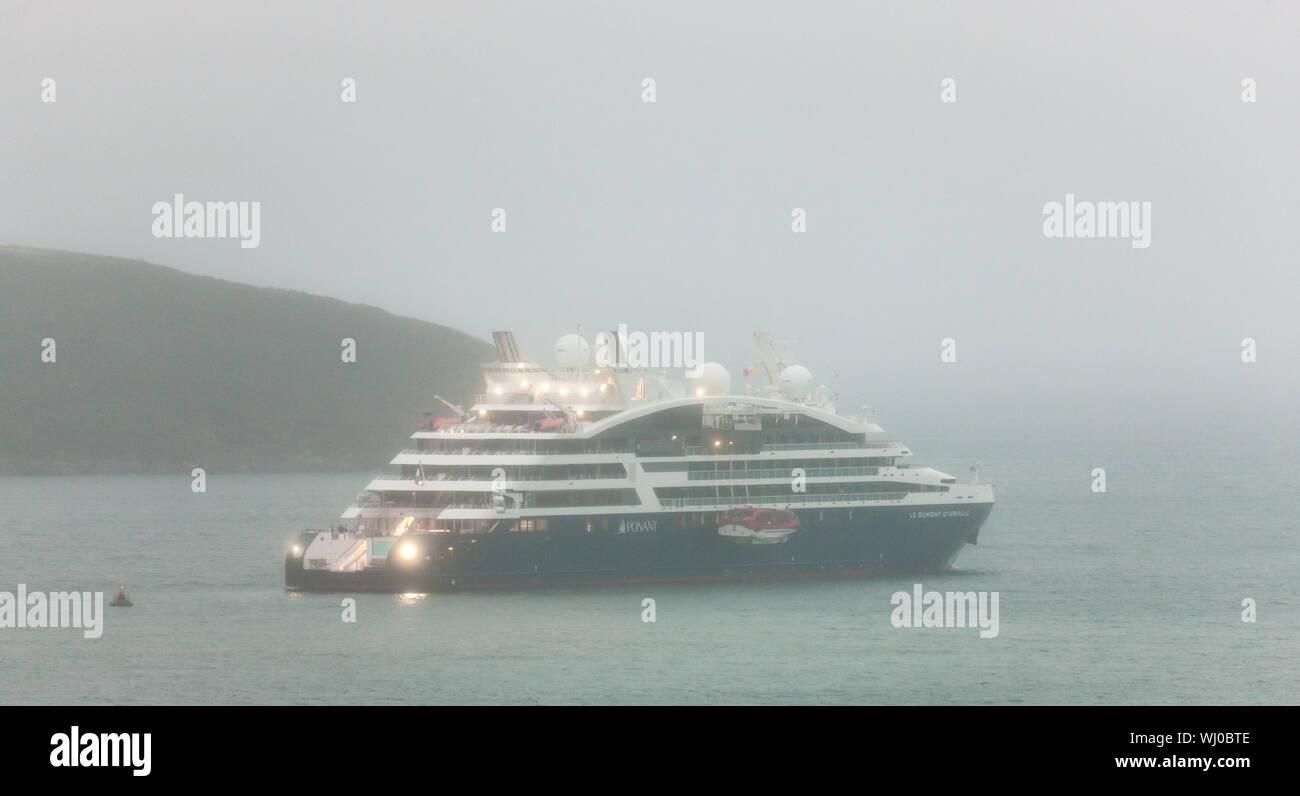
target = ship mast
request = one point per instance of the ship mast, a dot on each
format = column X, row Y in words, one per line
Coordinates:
column 768, row 358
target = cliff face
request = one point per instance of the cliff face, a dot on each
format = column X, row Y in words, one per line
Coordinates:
column 158, row 371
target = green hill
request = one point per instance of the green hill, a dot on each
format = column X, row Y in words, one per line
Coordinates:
column 161, row 371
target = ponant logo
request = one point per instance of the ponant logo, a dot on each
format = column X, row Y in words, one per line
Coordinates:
column 637, row 526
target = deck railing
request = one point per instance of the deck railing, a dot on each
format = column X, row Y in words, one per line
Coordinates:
column 810, row 472
column 784, row 500
column 443, row 478
column 827, row 446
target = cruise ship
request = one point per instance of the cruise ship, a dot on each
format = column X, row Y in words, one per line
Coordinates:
column 625, row 473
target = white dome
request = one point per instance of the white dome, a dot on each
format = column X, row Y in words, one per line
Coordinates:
column 796, row 381
column 572, row 351
column 713, row 380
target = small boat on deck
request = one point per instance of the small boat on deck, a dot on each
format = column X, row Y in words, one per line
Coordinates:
column 758, row 526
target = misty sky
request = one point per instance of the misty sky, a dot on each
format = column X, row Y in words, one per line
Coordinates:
column 924, row 218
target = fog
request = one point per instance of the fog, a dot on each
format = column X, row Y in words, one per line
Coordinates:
column 924, row 217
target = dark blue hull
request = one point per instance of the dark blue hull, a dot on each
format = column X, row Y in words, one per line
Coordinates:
column 665, row 547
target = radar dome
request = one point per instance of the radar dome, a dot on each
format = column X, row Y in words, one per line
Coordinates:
column 796, row 381
column 713, row 380
column 571, row 351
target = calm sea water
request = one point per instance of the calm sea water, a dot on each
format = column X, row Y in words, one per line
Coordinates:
column 1133, row 596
